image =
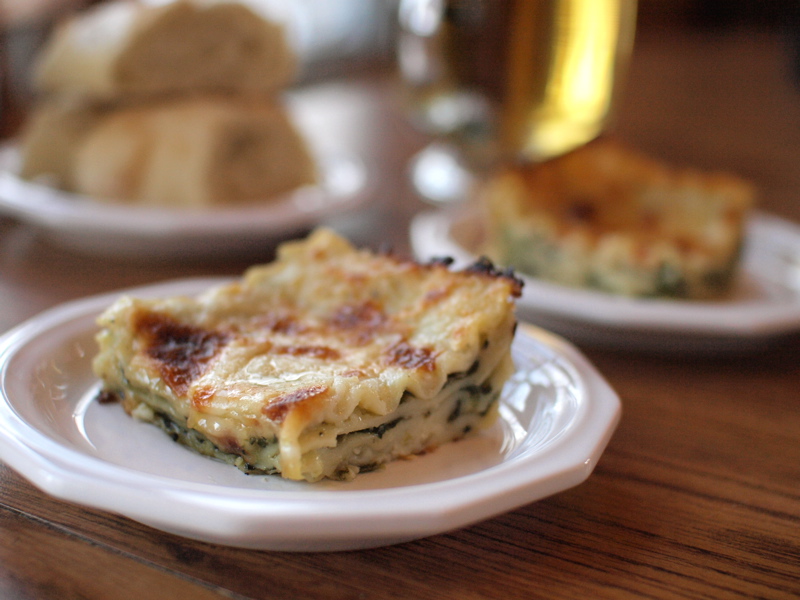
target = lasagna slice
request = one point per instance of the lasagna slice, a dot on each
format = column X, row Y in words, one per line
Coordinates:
column 610, row 218
column 327, row 362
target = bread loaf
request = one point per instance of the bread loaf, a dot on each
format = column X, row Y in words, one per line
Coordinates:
column 193, row 152
column 131, row 50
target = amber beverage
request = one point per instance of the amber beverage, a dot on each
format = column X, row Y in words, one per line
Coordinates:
column 514, row 79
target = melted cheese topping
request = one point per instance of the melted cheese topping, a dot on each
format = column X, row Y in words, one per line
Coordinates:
column 326, row 337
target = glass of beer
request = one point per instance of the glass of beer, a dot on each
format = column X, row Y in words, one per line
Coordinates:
column 511, row 80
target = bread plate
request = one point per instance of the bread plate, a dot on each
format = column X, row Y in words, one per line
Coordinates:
column 90, row 225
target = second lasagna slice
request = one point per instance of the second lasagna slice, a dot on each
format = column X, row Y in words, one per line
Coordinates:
column 327, row 362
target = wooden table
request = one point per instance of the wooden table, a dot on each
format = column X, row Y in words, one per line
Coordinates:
column 697, row 495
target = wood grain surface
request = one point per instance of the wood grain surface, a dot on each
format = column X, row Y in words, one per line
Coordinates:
column 697, row 495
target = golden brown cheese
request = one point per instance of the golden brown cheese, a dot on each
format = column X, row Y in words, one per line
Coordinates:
column 325, row 342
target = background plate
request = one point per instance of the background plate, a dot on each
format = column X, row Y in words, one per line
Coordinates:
column 557, row 415
column 127, row 230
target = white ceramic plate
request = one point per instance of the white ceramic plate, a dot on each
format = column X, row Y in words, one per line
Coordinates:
column 557, row 416
column 764, row 305
column 92, row 226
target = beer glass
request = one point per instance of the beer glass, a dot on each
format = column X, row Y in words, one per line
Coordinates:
column 511, row 80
